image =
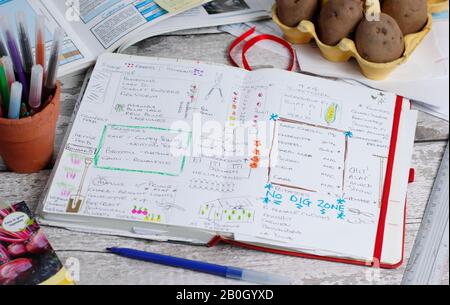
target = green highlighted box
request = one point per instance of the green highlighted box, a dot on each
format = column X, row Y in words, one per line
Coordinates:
column 100, row 151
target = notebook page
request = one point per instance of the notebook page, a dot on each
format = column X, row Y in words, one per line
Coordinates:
column 133, row 150
column 324, row 188
column 394, row 231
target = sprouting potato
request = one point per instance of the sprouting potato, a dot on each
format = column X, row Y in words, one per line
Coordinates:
column 338, row 19
column 291, row 12
column 411, row 15
column 380, row 41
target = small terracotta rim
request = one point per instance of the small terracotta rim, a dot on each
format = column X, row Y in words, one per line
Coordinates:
column 38, row 116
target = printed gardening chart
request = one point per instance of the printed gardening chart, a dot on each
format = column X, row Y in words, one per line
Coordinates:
column 271, row 156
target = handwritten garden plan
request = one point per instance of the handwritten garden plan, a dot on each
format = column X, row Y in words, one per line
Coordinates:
column 285, row 158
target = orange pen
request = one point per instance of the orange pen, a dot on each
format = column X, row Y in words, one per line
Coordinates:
column 40, row 41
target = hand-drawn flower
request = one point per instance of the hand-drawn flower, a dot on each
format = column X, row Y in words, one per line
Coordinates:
column 269, row 186
column 341, row 201
column 274, row 117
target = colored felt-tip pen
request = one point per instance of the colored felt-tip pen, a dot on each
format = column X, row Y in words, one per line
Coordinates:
column 24, row 41
column 9, row 70
column 40, row 41
column 53, row 63
column 14, row 55
column 4, row 86
column 15, row 101
column 3, row 51
column 223, row 271
column 35, row 97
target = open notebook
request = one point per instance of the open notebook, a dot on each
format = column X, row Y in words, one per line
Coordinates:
column 176, row 150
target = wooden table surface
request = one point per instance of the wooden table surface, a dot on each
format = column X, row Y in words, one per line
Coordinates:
column 99, row 267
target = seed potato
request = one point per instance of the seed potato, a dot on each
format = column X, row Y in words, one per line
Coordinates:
column 292, row 12
column 338, row 19
column 411, row 15
column 380, row 41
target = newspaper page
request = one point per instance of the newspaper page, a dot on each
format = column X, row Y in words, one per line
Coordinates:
column 214, row 13
column 105, row 24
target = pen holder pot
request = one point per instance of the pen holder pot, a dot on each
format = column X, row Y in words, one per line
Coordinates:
column 26, row 145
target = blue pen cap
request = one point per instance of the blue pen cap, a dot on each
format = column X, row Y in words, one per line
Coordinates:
column 256, row 277
column 15, row 100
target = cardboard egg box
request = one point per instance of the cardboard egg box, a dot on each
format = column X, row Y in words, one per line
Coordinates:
column 346, row 48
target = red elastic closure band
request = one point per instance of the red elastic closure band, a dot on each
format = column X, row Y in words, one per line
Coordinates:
column 412, row 175
column 249, row 44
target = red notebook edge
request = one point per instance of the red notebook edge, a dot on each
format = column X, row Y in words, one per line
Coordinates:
column 381, row 224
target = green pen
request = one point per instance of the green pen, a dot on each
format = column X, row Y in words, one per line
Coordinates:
column 4, row 88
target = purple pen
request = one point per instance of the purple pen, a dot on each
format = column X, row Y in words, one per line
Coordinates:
column 15, row 57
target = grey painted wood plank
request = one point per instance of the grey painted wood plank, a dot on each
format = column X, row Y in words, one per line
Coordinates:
column 426, row 160
column 445, row 279
column 431, row 128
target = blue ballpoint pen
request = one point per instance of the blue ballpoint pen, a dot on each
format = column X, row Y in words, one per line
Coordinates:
column 224, row 271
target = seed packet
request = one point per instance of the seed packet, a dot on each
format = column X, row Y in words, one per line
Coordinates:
column 26, row 256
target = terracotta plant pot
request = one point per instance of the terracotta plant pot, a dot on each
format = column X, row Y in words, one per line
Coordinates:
column 26, row 145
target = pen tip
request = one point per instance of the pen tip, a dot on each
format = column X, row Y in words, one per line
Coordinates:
column 109, row 249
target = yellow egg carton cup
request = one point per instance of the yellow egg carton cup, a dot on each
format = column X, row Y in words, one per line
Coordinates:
column 437, row 6
column 346, row 48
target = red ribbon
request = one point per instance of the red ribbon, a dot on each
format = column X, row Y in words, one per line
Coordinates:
column 249, row 44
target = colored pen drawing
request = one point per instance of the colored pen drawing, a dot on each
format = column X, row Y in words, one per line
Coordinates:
column 75, row 201
column 119, row 108
column 232, row 210
column 331, row 113
column 71, row 173
column 66, row 189
column 76, row 160
column 321, row 206
column 148, row 216
column 274, row 117
column 147, row 150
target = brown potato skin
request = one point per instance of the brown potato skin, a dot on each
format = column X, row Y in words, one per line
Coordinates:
column 338, row 19
column 380, row 41
column 291, row 12
column 411, row 15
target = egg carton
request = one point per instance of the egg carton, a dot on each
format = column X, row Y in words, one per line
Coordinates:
column 437, row 6
column 346, row 48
